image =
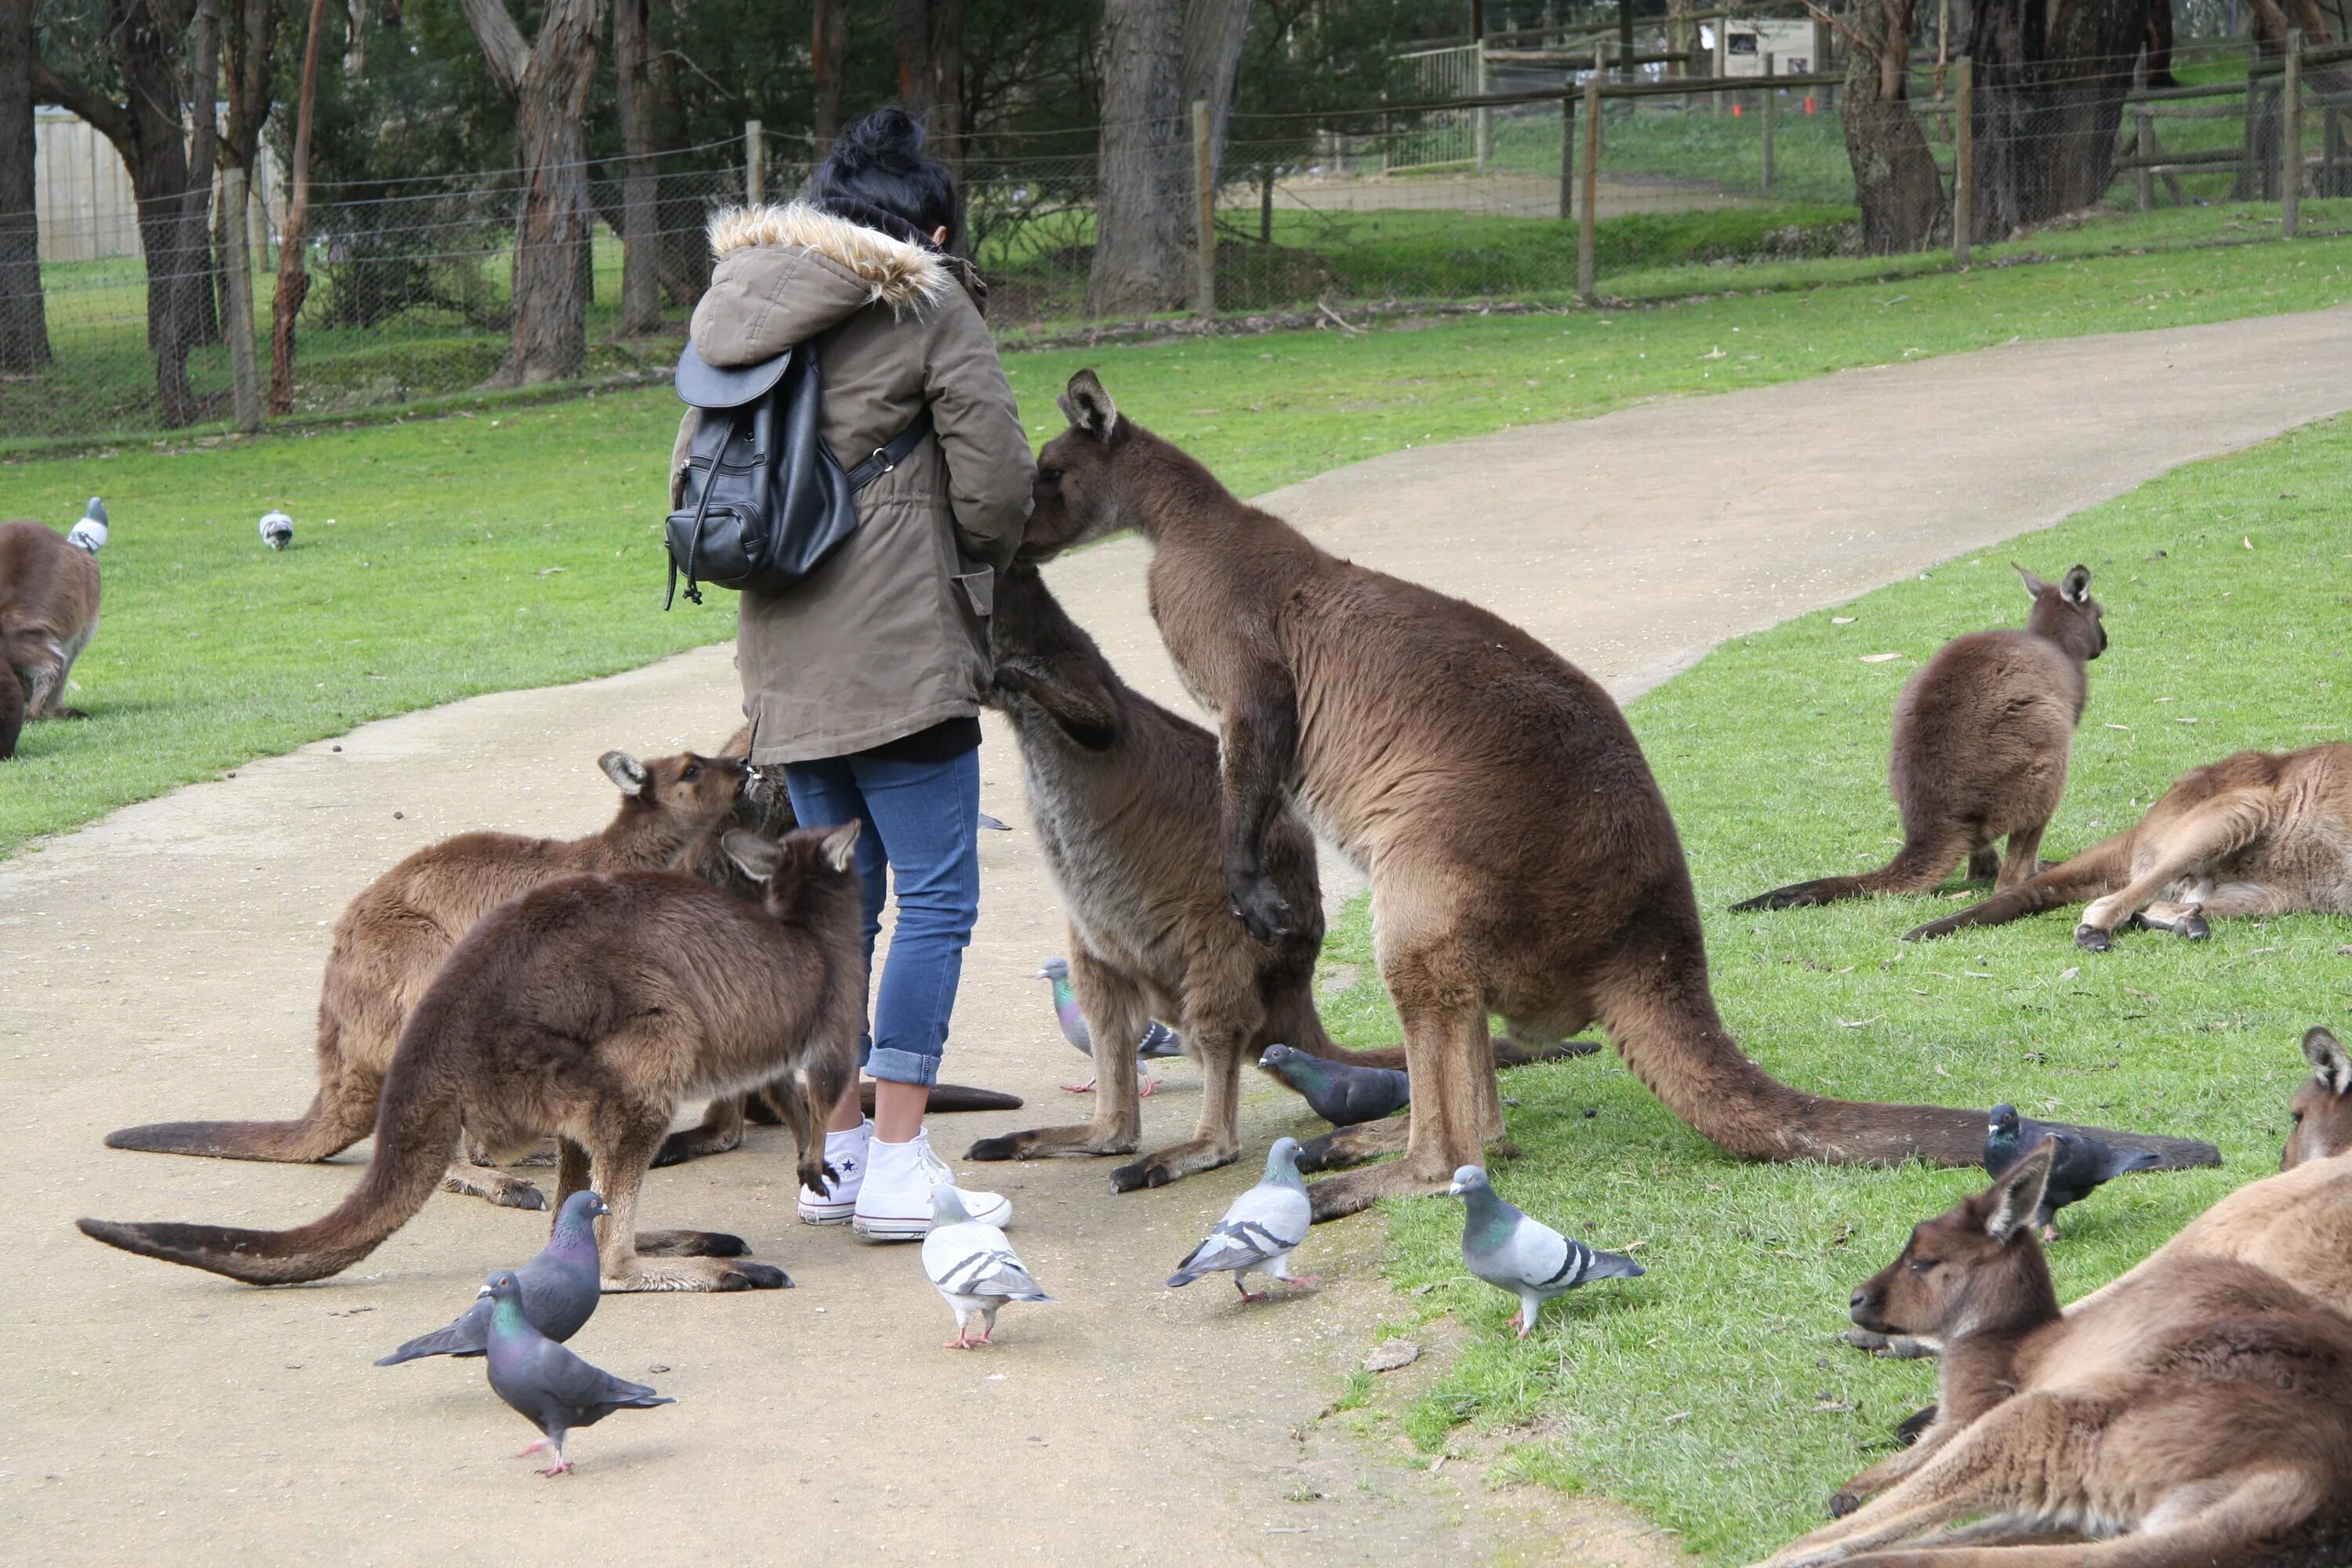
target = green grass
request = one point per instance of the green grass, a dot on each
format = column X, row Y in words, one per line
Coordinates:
column 428, row 586
column 1710, row 1394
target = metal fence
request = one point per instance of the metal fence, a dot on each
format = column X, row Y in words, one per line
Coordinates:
column 1620, row 186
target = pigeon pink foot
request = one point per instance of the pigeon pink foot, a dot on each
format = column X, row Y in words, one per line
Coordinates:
column 1086, row 1088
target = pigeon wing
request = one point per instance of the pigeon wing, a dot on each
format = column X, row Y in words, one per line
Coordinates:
column 469, row 1335
column 974, row 1260
column 1264, row 1222
column 583, row 1387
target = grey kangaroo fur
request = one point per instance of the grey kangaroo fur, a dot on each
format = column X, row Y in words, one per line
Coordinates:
column 587, row 1009
column 1982, row 737
column 49, row 613
column 1522, row 859
column 1124, row 796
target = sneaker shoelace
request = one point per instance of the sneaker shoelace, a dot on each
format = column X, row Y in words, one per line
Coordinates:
column 933, row 1166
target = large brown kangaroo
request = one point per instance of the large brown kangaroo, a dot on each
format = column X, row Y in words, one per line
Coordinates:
column 1983, row 735
column 1124, row 795
column 587, row 1009
column 2259, row 832
column 49, row 613
column 1521, row 857
column 2192, row 1420
column 391, row 940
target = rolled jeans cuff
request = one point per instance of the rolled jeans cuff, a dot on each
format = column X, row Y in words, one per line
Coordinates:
column 887, row 1064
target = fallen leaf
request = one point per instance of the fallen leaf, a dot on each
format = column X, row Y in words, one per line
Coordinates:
column 1879, row 658
column 2249, row 543
column 2125, row 728
column 2069, row 972
column 1857, row 1023
column 1390, row 1355
column 1841, row 620
column 1943, row 1071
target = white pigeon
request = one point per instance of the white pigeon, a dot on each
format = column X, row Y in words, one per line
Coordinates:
column 1257, row 1234
column 973, row 1267
column 276, row 529
column 1530, row 1259
column 89, row 534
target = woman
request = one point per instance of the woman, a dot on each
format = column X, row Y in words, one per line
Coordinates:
column 864, row 678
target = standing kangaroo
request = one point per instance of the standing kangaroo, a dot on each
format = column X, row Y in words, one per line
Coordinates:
column 1521, row 857
column 49, row 613
column 1983, row 735
column 1124, row 794
column 2195, row 1419
column 588, row 1008
column 391, row 940
column 2259, row 832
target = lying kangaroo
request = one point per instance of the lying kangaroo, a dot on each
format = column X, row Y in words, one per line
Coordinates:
column 1983, row 735
column 2260, row 833
column 588, row 1008
column 49, row 613
column 2201, row 1418
column 391, row 940
column 1521, row 857
column 1124, row 794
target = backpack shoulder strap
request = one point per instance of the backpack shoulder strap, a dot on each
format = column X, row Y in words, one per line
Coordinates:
column 889, row 457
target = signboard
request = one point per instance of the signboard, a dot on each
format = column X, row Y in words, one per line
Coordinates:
column 1741, row 47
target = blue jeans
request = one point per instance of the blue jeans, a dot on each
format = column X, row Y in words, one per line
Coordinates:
column 922, row 831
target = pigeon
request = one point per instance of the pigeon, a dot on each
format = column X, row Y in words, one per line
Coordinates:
column 1258, row 1232
column 547, row 1385
column 974, row 1268
column 1339, row 1092
column 994, row 824
column 1514, row 1253
column 1159, row 1039
column 276, row 529
column 559, row 1290
column 89, row 534
column 2079, row 1165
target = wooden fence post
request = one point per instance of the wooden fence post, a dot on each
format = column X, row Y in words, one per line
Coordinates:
column 1964, row 157
column 2249, row 186
column 1585, row 219
column 2291, row 136
column 1765, row 110
column 1482, row 134
column 1204, row 199
column 2144, row 144
column 1566, row 156
column 755, row 172
column 235, row 233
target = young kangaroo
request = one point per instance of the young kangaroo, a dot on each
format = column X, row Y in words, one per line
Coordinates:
column 2259, row 832
column 2198, row 1420
column 1982, row 734
column 391, row 940
column 1124, row 794
column 588, row 1008
column 1521, row 857
column 49, row 613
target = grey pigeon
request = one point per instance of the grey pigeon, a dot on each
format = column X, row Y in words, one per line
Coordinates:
column 1257, row 1234
column 1514, row 1253
column 89, row 534
column 1341, row 1093
column 547, row 1385
column 1159, row 1040
column 973, row 1267
column 276, row 529
column 560, row 1288
column 2079, row 1165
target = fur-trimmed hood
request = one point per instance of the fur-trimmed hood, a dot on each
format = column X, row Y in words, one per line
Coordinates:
column 902, row 276
column 786, row 273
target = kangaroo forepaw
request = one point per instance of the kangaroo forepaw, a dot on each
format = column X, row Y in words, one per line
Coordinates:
column 2090, row 939
column 691, row 1243
column 2191, row 927
column 747, row 1275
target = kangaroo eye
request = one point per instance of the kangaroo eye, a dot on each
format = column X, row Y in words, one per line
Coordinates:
column 1051, row 475
column 1923, row 1265
column 693, row 772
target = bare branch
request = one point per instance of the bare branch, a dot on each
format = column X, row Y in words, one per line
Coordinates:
column 503, row 48
column 70, row 93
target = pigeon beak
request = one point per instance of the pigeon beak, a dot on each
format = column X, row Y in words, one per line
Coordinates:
column 1043, row 975
column 1454, row 1190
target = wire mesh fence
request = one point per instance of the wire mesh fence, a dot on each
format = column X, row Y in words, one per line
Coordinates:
column 1614, row 183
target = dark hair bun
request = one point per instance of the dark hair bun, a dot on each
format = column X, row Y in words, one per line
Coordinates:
column 889, row 138
column 878, row 173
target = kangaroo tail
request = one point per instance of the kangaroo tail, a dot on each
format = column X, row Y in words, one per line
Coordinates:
column 2093, row 872
column 415, row 1136
column 340, row 1114
column 1917, row 867
column 1665, row 1026
column 955, row 1096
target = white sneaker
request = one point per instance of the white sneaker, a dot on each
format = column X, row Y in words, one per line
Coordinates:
column 894, row 1201
column 845, row 1152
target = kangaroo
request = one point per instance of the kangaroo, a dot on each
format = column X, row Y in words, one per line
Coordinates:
column 2259, row 832
column 1124, row 794
column 1521, row 857
column 391, row 940
column 2198, row 1419
column 1983, row 735
column 588, row 1008
column 49, row 613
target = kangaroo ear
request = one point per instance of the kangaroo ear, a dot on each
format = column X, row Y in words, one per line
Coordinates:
column 757, row 856
column 2075, row 586
column 2017, row 1195
column 840, row 846
column 2330, row 1064
column 2034, row 585
column 1088, row 407
column 626, row 772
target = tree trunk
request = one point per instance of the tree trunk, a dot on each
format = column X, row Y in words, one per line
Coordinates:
column 1143, row 252
column 147, row 42
column 200, row 265
column 2050, row 86
column 828, row 42
column 24, row 320
column 640, row 268
column 683, row 250
column 1215, row 32
column 1895, row 177
column 293, row 276
column 929, row 36
column 549, row 84
column 2159, row 45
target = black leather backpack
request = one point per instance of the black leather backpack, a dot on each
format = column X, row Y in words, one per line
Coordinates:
column 762, row 502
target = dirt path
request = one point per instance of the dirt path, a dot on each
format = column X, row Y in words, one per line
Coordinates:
column 163, row 963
